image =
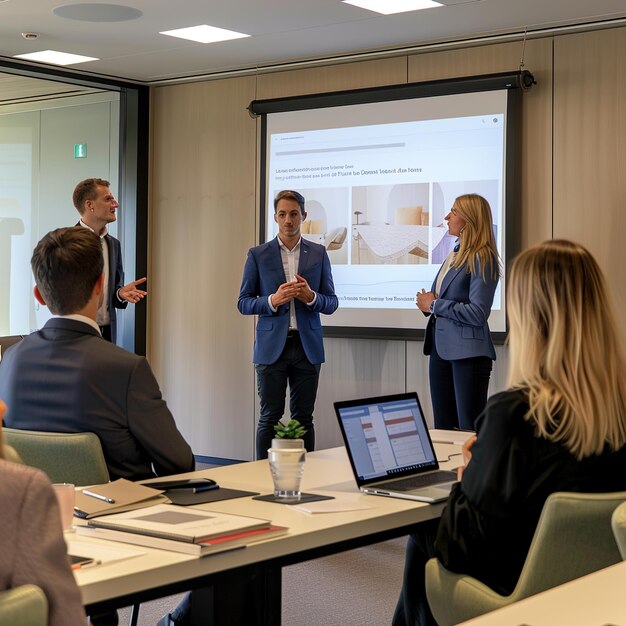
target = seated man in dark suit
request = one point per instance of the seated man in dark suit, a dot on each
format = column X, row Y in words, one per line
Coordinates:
column 66, row 378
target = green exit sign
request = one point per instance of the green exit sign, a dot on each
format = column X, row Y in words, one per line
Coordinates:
column 80, row 150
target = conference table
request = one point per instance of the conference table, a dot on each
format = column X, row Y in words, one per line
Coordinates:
column 152, row 573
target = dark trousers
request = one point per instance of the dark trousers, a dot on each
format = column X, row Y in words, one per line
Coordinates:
column 458, row 389
column 236, row 600
column 412, row 608
column 294, row 368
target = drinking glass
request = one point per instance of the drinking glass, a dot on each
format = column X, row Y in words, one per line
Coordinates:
column 65, row 493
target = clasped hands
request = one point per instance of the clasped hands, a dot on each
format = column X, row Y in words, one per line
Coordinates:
column 297, row 289
column 423, row 300
column 130, row 293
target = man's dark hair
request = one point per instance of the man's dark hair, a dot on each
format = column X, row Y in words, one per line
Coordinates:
column 87, row 190
column 66, row 264
column 288, row 194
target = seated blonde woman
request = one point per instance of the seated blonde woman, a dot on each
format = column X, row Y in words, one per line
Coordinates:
column 561, row 426
column 31, row 542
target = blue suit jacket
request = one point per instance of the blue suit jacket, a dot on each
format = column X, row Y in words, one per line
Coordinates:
column 462, row 310
column 262, row 275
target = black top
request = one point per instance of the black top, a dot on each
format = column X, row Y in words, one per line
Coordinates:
column 490, row 518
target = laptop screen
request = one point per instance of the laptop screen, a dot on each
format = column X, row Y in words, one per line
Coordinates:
column 386, row 437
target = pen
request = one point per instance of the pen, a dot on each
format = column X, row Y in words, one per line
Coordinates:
column 440, row 441
column 98, row 496
column 89, row 563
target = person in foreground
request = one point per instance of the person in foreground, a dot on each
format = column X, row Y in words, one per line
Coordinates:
column 287, row 282
column 561, row 426
column 65, row 378
column 97, row 207
column 31, row 542
column 457, row 334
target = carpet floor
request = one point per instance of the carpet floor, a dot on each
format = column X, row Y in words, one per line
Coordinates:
column 355, row 588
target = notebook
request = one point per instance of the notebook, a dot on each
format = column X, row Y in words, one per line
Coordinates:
column 390, row 449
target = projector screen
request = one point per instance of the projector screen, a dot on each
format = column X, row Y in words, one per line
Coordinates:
column 378, row 178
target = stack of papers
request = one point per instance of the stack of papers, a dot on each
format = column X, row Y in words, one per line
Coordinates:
column 190, row 531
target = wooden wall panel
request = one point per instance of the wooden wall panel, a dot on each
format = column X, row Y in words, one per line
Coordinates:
column 203, row 219
column 354, row 75
column 590, row 148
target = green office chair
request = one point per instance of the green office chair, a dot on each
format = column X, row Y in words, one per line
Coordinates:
column 24, row 606
column 65, row 457
column 10, row 454
column 618, row 523
column 573, row 538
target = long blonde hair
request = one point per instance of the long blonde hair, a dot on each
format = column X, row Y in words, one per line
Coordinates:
column 566, row 348
column 477, row 243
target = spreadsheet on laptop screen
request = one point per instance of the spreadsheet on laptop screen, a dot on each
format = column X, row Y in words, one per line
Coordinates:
column 387, row 438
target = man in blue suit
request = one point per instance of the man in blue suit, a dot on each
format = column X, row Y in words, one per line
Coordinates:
column 287, row 282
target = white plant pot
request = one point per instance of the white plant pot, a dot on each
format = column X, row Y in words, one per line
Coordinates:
column 286, row 459
column 287, row 443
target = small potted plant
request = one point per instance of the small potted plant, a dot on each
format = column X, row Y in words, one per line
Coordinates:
column 286, row 460
column 289, row 435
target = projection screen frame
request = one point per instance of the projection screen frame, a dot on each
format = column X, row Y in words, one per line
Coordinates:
column 515, row 82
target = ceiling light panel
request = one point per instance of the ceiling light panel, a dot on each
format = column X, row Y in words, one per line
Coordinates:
column 388, row 7
column 55, row 57
column 204, row 34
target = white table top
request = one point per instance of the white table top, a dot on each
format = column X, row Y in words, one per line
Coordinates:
column 326, row 471
column 593, row 600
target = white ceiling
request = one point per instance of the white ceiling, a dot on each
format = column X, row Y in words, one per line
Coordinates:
column 282, row 31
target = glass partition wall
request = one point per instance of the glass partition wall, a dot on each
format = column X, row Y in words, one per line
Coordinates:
column 55, row 130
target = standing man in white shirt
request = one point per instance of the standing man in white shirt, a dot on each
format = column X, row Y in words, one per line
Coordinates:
column 97, row 207
column 287, row 282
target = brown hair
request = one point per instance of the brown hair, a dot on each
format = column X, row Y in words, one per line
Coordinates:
column 66, row 264
column 288, row 194
column 87, row 190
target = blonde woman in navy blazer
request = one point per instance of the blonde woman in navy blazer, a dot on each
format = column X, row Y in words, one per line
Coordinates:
column 457, row 335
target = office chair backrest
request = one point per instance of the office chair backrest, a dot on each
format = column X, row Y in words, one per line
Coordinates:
column 24, row 606
column 618, row 523
column 573, row 538
column 65, row 457
column 9, row 453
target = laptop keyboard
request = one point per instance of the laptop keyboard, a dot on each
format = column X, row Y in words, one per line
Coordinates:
column 425, row 480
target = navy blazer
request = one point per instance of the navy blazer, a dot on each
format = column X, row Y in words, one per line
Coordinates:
column 262, row 275
column 461, row 310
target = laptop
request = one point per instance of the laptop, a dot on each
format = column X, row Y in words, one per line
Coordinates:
column 390, row 449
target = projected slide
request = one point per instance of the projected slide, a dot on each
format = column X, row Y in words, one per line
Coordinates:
column 377, row 193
